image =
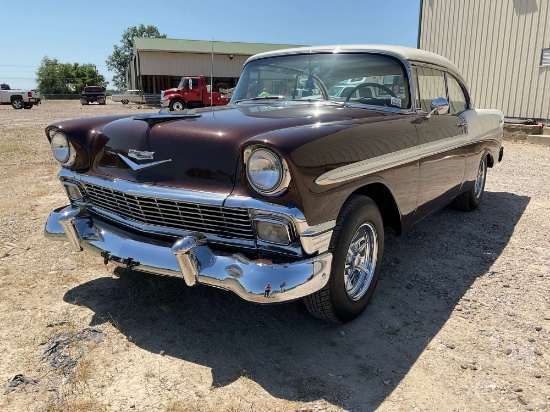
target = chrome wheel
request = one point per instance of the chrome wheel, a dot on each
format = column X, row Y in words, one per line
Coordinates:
column 17, row 104
column 480, row 179
column 361, row 261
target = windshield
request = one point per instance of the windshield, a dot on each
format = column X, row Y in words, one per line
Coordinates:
column 342, row 77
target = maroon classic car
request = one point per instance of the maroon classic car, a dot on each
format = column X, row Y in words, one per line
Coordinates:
column 284, row 193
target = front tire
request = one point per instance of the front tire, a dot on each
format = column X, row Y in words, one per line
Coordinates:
column 357, row 246
column 470, row 200
column 177, row 105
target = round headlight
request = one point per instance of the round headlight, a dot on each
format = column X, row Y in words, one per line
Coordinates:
column 267, row 172
column 61, row 149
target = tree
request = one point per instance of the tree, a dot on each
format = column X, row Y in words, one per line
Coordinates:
column 54, row 77
column 118, row 60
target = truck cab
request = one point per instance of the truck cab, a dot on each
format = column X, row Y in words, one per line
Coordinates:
column 192, row 91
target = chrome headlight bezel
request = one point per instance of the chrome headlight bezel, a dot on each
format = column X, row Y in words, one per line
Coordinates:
column 62, row 150
column 281, row 182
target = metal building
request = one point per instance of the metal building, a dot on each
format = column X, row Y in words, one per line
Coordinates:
column 501, row 46
column 159, row 64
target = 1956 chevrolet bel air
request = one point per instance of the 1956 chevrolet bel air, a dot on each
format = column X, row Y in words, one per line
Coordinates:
column 284, row 193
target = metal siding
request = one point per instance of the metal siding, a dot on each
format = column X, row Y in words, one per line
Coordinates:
column 543, row 78
column 190, row 64
column 497, row 45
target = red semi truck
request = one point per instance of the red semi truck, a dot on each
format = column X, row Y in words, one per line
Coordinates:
column 192, row 92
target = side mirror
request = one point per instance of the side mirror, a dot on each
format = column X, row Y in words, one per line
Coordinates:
column 439, row 105
column 191, row 85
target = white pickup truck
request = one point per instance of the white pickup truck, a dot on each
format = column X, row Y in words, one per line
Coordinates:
column 18, row 98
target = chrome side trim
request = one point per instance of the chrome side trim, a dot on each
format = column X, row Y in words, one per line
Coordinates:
column 395, row 159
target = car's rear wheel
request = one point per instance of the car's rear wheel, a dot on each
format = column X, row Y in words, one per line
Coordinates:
column 27, row 106
column 357, row 245
column 125, row 101
column 17, row 103
column 470, row 200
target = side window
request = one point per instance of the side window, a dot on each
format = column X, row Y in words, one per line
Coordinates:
column 431, row 85
column 457, row 100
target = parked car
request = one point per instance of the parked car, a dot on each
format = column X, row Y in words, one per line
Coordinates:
column 93, row 94
column 129, row 96
column 276, row 197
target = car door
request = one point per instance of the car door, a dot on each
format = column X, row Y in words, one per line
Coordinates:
column 441, row 151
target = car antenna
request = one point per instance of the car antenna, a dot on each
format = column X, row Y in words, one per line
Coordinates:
column 212, row 74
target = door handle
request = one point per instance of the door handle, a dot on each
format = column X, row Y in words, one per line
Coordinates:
column 462, row 124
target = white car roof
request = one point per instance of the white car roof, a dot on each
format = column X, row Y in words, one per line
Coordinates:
column 405, row 53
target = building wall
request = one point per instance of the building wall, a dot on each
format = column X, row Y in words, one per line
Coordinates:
column 189, row 64
column 497, row 45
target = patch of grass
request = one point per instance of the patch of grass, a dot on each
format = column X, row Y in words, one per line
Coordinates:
column 83, row 373
column 13, row 148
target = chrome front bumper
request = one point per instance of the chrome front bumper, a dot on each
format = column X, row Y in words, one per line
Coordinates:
column 189, row 257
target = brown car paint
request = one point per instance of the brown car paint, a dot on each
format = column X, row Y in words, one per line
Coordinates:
column 206, row 153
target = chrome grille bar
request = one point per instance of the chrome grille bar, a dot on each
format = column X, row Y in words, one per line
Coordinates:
column 172, row 214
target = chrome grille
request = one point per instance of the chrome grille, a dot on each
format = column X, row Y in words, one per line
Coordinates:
column 172, row 214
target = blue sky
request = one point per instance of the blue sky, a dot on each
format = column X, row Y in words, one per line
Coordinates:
column 85, row 32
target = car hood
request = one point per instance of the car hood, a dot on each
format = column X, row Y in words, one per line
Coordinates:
column 202, row 150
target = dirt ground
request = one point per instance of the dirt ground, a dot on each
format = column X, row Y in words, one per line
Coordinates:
column 460, row 320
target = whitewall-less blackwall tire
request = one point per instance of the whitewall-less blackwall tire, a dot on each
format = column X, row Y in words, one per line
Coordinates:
column 470, row 200
column 357, row 245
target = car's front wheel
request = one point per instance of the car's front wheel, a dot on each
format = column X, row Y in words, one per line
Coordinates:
column 124, row 101
column 357, row 245
column 177, row 105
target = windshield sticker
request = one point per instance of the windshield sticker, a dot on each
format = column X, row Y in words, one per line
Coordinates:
column 396, row 101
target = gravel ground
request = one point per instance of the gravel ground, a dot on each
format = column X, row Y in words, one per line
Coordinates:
column 460, row 320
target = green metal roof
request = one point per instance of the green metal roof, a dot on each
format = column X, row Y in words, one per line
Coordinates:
column 205, row 46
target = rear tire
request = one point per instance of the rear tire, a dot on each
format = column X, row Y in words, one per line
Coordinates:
column 27, row 106
column 17, row 104
column 470, row 200
column 357, row 246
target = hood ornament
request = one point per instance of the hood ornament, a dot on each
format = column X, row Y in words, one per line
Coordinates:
column 140, row 155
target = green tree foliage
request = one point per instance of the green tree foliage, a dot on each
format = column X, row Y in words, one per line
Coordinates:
column 54, row 77
column 122, row 54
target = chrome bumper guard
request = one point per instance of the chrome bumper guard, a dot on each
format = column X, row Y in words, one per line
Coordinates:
column 190, row 258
